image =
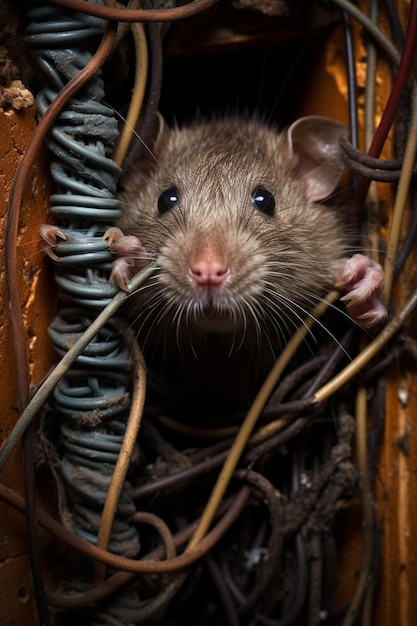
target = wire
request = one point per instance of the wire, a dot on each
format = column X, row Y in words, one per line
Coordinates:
column 16, row 200
column 401, row 199
column 18, row 333
column 144, row 566
column 251, row 419
column 150, row 113
column 404, row 69
column 363, row 585
column 370, row 85
column 138, row 93
column 371, row 28
column 351, row 74
column 87, row 397
column 401, row 78
column 81, row 279
column 369, row 352
column 32, row 530
column 16, row 197
column 124, row 455
column 138, row 15
column 66, row 362
column 369, row 130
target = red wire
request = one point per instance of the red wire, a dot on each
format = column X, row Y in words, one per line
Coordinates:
column 403, row 73
column 137, row 15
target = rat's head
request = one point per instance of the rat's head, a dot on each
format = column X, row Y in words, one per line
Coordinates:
column 231, row 211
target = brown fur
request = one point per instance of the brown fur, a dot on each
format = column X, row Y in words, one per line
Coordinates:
column 220, row 344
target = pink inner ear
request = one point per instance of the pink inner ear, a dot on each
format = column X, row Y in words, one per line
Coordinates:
column 316, row 189
column 314, row 155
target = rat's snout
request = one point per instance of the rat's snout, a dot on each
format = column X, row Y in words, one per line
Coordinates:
column 209, row 268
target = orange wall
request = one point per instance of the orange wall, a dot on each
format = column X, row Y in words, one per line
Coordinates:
column 17, row 605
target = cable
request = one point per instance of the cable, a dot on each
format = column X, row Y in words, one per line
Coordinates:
column 93, row 422
column 124, row 454
column 48, row 386
column 17, row 322
column 401, row 198
column 138, row 15
column 363, row 585
column 351, row 76
column 135, row 106
column 87, row 397
column 251, row 419
column 150, row 113
column 150, row 565
column 369, row 352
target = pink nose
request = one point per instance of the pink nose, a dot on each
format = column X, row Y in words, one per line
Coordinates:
column 210, row 272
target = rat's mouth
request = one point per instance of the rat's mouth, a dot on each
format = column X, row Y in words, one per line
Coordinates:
column 216, row 317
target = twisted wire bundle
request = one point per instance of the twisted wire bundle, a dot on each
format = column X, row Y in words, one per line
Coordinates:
column 92, row 400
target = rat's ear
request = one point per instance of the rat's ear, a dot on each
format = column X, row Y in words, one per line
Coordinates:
column 313, row 154
column 149, row 156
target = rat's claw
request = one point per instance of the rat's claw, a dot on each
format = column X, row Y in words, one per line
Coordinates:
column 373, row 316
column 126, row 245
column 362, row 278
column 121, row 272
column 113, row 234
column 131, row 256
column 51, row 234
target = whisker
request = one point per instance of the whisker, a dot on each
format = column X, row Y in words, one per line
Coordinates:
column 280, row 262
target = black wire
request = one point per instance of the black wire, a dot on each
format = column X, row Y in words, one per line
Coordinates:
column 32, row 527
column 395, row 24
column 316, row 575
column 351, row 79
column 223, row 591
column 155, row 40
column 409, row 241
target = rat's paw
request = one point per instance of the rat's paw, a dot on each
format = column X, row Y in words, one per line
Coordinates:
column 362, row 278
column 123, row 270
column 131, row 256
column 52, row 236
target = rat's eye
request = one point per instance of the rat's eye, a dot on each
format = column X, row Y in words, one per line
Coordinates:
column 263, row 200
column 168, row 199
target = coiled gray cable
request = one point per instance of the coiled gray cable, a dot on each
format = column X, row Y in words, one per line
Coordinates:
column 92, row 401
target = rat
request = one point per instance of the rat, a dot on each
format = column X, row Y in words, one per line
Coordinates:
column 237, row 216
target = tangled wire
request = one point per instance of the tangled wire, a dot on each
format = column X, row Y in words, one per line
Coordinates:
column 232, row 522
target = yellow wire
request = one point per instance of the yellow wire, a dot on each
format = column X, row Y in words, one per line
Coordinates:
column 373, row 223
column 251, row 419
column 141, row 75
column 363, row 591
column 367, row 504
column 368, row 353
column 268, row 431
column 401, row 199
column 125, row 454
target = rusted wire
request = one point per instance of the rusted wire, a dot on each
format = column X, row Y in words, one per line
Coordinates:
column 146, row 566
column 137, row 15
column 18, row 331
column 394, row 98
column 125, row 453
column 16, row 196
column 272, row 499
column 172, row 469
column 387, row 171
